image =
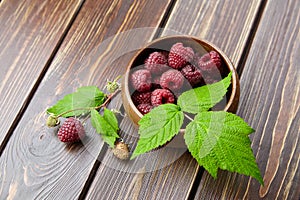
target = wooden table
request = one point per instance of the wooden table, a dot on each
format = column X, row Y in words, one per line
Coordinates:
column 49, row 48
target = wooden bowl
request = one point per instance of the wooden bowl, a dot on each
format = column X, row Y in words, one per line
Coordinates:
column 165, row 43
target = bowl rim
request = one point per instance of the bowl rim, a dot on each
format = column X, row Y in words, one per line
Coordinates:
column 234, row 78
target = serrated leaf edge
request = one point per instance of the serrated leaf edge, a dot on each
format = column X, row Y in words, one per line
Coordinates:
column 179, row 113
column 250, row 158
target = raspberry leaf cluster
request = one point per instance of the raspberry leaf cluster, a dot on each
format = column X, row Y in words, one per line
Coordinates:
column 220, row 140
column 216, row 139
column 88, row 102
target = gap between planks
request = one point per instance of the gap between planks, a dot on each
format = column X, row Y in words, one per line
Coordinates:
column 39, row 80
column 103, row 151
column 164, row 20
column 245, row 53
column 157, row 34
column 240, row 67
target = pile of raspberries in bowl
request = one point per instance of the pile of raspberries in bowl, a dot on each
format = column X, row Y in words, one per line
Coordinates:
column 160, row 72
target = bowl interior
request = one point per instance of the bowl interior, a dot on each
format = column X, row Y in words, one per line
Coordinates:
column 164, row 44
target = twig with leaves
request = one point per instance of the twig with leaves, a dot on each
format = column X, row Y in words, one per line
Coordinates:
column 216, row 139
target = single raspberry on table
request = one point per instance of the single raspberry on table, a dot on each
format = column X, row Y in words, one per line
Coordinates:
column 144, row 108
column 71, row 131
column 141, row 97
column 179, row 56
column 161, row 96
column 192, row 74
column 172, row 80
column 141, row 80
column 210, row 61
column 156, row 63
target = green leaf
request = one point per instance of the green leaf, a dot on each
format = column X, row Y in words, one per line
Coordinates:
column 205, row 97
column 84, row 97
column 106, row 125
column 158, row 127
column 220, row 140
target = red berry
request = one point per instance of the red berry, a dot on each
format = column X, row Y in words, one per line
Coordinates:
column 71, row 131
column 141, row 80
column 144, row 108
column 215, row 58
column 210, row 62
column 156, row 63
column 192, row 74
column 141, row 97
column 162, row 96
column 172, row 80
column 179, row 56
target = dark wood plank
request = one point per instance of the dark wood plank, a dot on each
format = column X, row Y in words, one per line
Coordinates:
column 270, row 102
column 35, row 164
column 150, row 177
column 175, row 180
column 30, row 33
column 216, row 21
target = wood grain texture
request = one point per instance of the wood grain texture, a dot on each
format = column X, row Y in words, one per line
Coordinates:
column 227, row 24
column 187, row 17
column 270, row 102
column 30, row 33
column 152, row 176
column 35, row 164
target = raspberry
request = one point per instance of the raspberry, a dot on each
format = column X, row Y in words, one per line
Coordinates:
column 179, row 56
column 141, row 80
column 209, row 61
column 144, row 108
column 71, row 131
column 141, row 97
column 192, row 74
column 156, row 63
column 172, row 80
column 215, row 58
column 162, row 96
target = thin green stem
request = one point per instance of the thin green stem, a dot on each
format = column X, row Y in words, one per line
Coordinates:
column 188, row 117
